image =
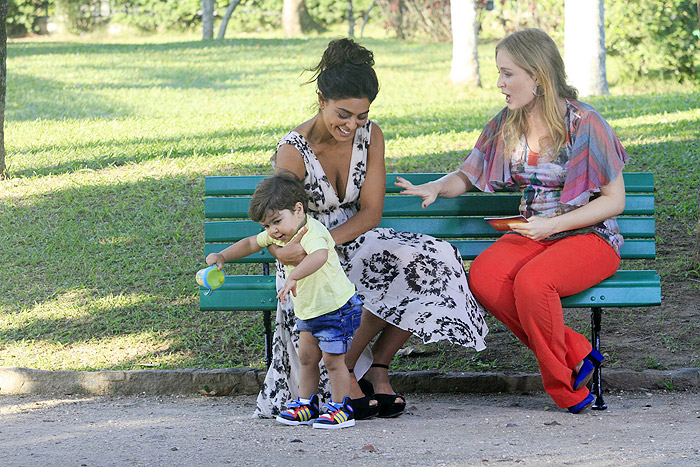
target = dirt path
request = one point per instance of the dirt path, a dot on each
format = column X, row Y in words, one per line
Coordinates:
column 659, row 428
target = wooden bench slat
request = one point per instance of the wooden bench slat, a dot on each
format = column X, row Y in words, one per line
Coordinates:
column 445, row 227
column 469, row 249
column 467, row 205
column 634, row 181
column 242, row 293
column 625, row 288
column 245, row 184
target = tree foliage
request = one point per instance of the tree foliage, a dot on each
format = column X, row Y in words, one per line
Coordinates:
column 23, row 15
column 410, row 19
column 81, row 15
column 158, row 15
column 659, row 36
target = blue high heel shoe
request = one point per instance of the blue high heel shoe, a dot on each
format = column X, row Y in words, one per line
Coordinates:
column 592, row 361
column 583, row 405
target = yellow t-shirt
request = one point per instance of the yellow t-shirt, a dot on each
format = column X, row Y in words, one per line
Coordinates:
column 327, row 289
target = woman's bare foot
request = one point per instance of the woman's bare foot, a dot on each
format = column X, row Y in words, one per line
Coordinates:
column 379, row 378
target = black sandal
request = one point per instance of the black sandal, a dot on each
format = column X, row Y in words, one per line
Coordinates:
column 388, row 407
column 361, row 406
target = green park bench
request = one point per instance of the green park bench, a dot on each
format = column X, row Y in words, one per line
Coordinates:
column 458, row 220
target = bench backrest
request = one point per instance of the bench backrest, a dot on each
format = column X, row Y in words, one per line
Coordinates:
column 459, row 220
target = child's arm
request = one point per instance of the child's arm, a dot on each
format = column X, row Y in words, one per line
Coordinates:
column 240, row 249
column 309, row 265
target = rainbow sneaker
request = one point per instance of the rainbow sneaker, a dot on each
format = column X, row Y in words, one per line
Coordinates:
column 336, row 416
column 298, row 413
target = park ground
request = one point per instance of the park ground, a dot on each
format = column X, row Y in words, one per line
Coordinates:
column 647, row 428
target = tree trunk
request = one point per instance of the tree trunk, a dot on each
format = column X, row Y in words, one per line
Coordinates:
column 296, row 19
column 584, row 46
column 227, row 16
column 465, row 59
column 351, row 20
column 3, row 83
column 207, row 19
column 365, row 19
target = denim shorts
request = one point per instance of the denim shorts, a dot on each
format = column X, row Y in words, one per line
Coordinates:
column 334, row 330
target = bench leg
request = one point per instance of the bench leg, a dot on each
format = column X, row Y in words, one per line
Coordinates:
column 268, row 337
column 268, row 326
column 596, row 314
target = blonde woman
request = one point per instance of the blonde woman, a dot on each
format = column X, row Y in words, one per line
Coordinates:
column 566, row 161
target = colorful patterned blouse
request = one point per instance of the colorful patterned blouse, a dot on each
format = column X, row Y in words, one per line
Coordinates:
column 593, row 157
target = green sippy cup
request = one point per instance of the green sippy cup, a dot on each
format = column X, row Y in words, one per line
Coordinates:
column 210, row 278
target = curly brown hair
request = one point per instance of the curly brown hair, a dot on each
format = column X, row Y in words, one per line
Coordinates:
column 276, row 193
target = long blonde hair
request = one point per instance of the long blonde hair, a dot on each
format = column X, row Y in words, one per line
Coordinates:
column 535, row 52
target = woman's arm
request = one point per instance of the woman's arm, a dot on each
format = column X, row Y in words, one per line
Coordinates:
column 610, row 203
column 450, row 186
column 371, row 195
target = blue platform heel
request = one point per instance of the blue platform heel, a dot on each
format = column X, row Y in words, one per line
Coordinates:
column 583, row 405
column 592, row 361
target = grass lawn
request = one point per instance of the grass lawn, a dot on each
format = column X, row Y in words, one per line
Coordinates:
column 101, row 220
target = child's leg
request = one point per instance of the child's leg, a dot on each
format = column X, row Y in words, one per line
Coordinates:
column 309, row 357
column 338, row 375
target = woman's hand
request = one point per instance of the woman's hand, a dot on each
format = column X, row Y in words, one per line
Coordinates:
column 536, row 228
column 428, row 191
column 292, row 253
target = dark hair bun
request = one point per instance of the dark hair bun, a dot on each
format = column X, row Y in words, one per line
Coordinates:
column 346, row 71
column 342, row 51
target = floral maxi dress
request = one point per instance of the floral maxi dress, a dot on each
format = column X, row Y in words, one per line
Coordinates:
column 410, row 280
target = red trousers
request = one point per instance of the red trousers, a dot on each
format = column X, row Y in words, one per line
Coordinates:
column 520, row 281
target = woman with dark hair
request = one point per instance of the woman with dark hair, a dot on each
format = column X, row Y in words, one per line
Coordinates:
column 567, row 162
column 409, row 283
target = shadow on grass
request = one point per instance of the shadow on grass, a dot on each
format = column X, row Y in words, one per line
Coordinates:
column 48, row 99
column 639, row 105
column 25, row 49
column 96, row 262
column 179, row 65
column 119, row 152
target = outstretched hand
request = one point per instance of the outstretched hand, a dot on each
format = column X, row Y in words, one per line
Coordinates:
column 427, row 192
column 290, row 285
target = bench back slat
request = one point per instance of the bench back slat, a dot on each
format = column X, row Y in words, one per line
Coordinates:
column 397, row 205
column 469, row 249
column 440, row 227
column 635, row 182
column 245, row 184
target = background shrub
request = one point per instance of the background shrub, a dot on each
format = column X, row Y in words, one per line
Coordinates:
column 661, row 36
column 23, row 15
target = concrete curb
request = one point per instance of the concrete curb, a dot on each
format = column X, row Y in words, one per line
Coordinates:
column 15, row 380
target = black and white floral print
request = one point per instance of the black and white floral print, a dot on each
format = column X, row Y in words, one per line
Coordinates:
column 410, row 280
